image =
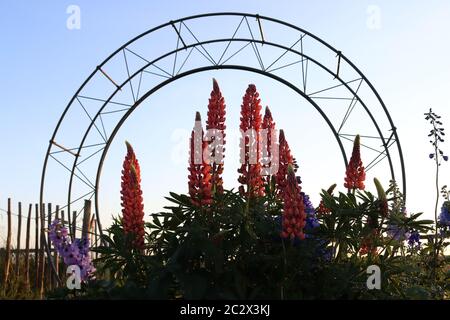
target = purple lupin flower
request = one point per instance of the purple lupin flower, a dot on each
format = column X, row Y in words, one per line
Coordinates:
column 414, row 239
column 73, row 253
column 311, row 220
column 444, row 217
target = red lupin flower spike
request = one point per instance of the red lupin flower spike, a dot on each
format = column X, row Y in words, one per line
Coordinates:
column 294, row 216
column 285, row 159
column 251, row 120
column 269, row 125
column 199, row 179
column 355, row 174
column 216, row 121
column 132, row 200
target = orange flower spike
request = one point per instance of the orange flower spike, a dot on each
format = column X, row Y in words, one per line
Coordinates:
column 199, row 178
column 251, row 120
column 132, row 200
column 355, row 174
column 285, row 159
column 294, row 215
column 269, row 125
column 216, row 120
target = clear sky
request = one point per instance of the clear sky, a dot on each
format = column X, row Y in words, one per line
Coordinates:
column 43, row 63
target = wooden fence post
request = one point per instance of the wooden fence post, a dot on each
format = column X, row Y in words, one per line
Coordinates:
column 56, row 257
column 8, row 248
column 48, row 270
column 69, row 221
column 74, row 225
column 27, row 249
column 62, row 269
column 36, row 248
column 96, row 238
column 86, row 219
column 91, row 235
column 19, row 230
column 41, row 253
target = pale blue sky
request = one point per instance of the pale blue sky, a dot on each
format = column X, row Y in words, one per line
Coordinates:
column 43, row 63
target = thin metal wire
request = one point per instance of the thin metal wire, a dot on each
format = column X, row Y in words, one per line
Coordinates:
column 84, row 147
column 206, row 51
column 90, row 118
column 285, row 52
column 255, row 48
column 286, row 65
column 128, row 73
column 176, row 53
column 229, row 42
column 71, row 171
column 3, row 211
column 101, row 100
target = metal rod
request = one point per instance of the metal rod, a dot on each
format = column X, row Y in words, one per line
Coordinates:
column 179, row 35
column 64, row 148
column 107, row 76
column 338, row 64
column 260, row 29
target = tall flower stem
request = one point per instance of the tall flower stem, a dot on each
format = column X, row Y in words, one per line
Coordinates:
column 436, row 238
column 436, row 150
column 437, row 134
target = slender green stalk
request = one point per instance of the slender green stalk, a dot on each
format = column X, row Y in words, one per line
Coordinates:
column 437, row 186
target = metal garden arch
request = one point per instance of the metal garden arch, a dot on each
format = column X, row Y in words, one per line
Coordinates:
column 213, row 41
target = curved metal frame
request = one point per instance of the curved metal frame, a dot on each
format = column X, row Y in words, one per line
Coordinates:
column 199, row 46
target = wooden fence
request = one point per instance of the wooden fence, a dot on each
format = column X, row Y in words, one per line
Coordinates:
column 26, row 268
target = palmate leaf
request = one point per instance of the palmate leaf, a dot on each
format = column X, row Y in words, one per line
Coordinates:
column 328, row 200
column 156, row 223
column 180, row 199
column 422, row 225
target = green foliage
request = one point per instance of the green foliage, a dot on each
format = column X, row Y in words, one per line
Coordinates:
column 233, row 250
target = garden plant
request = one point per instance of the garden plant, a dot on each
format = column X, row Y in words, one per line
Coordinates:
column 264, row 239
